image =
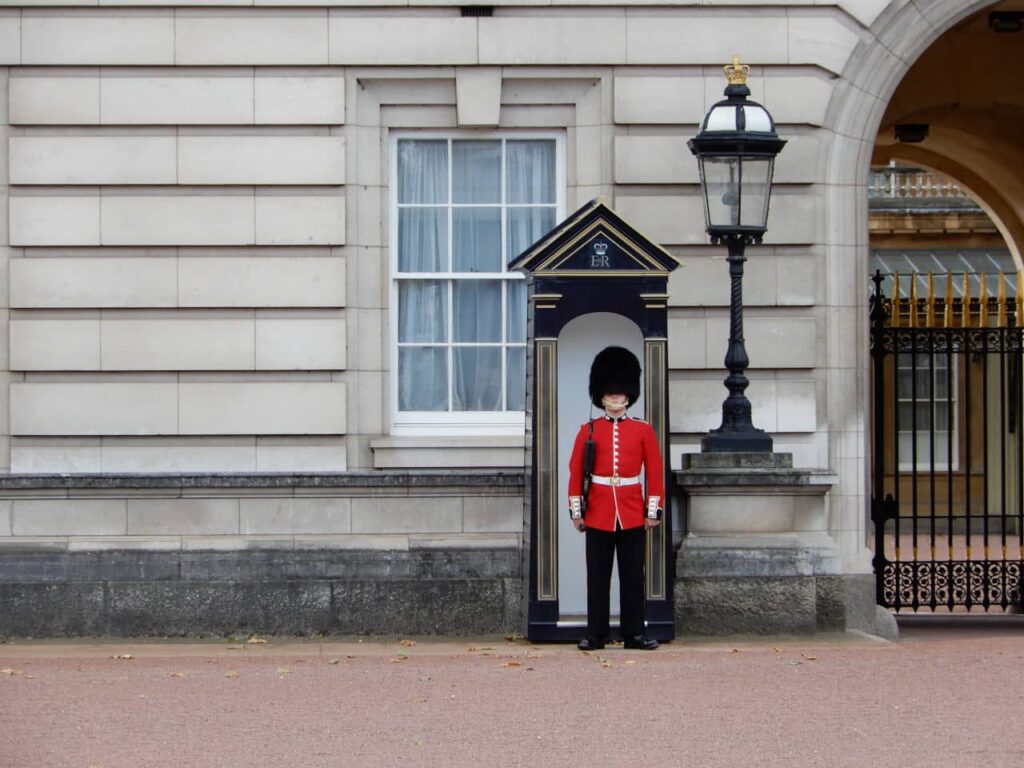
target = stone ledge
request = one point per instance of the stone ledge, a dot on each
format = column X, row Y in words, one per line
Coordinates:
column 369, row 479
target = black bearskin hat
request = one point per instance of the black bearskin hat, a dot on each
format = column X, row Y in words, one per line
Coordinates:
column 614, row 370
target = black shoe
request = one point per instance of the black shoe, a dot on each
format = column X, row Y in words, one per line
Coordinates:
column 640, row 642
column 590, row 644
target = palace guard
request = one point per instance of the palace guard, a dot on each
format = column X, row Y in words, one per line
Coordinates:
column 611, row 458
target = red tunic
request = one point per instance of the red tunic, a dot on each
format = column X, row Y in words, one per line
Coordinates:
column 624, row 448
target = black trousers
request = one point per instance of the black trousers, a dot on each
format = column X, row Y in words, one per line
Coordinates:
column 602, row 548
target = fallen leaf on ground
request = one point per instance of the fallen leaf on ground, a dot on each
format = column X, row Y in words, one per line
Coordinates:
column 122, row 656
column 735, row 650
column 177, row 674
column 232, row 673
column 256, row 641
column 235, row 648
column 629, row 661
column 334, row 661
column 809, row 658
column 511, row 664
column 397, row 659
column 283, row 671
column 407, row 643
column 473, row 648
column 8, row 671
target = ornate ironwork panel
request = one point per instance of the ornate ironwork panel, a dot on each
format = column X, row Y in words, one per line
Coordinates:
column 947, row 497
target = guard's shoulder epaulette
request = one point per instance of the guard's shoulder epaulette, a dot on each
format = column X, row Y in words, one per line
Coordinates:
column 634, row 418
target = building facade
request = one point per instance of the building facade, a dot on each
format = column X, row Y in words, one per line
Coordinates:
column 266, row 366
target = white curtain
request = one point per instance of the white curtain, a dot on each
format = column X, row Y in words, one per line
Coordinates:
column 487, row 314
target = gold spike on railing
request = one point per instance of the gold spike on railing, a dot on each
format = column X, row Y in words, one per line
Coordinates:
column 947, row 313
column 1020, row 300
column 894, row 321
column 965, row 305
column 913, row 301
column 929, row 315
column 983, row 302
column 1001, row 302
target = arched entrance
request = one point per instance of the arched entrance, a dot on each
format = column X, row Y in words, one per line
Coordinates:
column 924, row 92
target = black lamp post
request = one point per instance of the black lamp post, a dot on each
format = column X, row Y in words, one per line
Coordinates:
column 736, row 149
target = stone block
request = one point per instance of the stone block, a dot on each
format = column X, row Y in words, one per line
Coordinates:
column 271, row 281
column 178, row 454
column 182, row 517
column 261, row 160
column 760, row 606
column 570, row 39
column 121, row 37
column 798, row 163
column 43, row 455
column 55, row 97
column 656, row 37
column 395, row 515
column 793, row 98
column 52, row 610
column 170, row 342
column 69, row 517
column 94, row 282
column 660, row 100
column 702, row 282
column 796, row 406
column 822, row 40
column 148, row 98
column 771, row 342
column 300, row 343
column 5, row 518
column 219, row 608
column 697, row 404
column 447, row 607
column 94, row 408
column 420, row 453
column 865, row 11
column 10, row 37
column 277, row 37
column 654, row 160
column 92, row 160
column 666, row 219
column 176, row 219
column 403, row 40
column 478, row 96
column 262, row 408
column 301, row 454
column 300, row 100
column 55, row 343
column 498, row 514
column 300, row 219
column 295, row 516
column 794, row 216
column 55, row 220
column 687, row 343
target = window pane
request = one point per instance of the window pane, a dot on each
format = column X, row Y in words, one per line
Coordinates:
column 477, row 373
column 477, row 236
column 531, row 171
column 515, row 330
column 422, row 311
column 422, row 171
column 722, row 183
column 516, row 379
column 757, row 174
column 476, row 310
column 422, row 239
column 476, row 171
column 526, row 226
column 422, row 379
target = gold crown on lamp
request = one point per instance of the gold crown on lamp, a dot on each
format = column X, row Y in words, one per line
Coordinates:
column 736, row 73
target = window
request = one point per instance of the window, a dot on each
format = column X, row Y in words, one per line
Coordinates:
column 926, row 387
column 461, row 209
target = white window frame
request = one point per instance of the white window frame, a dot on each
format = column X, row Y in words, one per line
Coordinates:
column 456, row 423
column 906, row 463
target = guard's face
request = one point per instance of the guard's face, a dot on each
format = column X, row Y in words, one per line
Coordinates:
column 615, row 401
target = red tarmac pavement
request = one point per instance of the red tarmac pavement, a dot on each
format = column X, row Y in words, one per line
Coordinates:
column 947, row 694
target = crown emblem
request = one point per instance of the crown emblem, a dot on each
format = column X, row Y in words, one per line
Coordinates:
column 601, row 248
column 736, row 73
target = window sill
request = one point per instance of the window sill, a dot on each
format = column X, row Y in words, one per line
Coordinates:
column 448, row 452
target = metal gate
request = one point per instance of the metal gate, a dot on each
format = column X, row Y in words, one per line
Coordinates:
column 947, row 496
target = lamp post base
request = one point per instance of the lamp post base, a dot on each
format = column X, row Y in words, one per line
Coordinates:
column 752, row 440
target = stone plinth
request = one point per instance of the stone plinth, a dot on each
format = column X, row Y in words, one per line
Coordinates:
column 757, row 557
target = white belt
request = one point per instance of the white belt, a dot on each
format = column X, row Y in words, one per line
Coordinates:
column 615, row 480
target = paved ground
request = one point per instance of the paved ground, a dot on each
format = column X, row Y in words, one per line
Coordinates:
column 948, row 694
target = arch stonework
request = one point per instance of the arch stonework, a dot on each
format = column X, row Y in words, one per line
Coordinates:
column 895, row 39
